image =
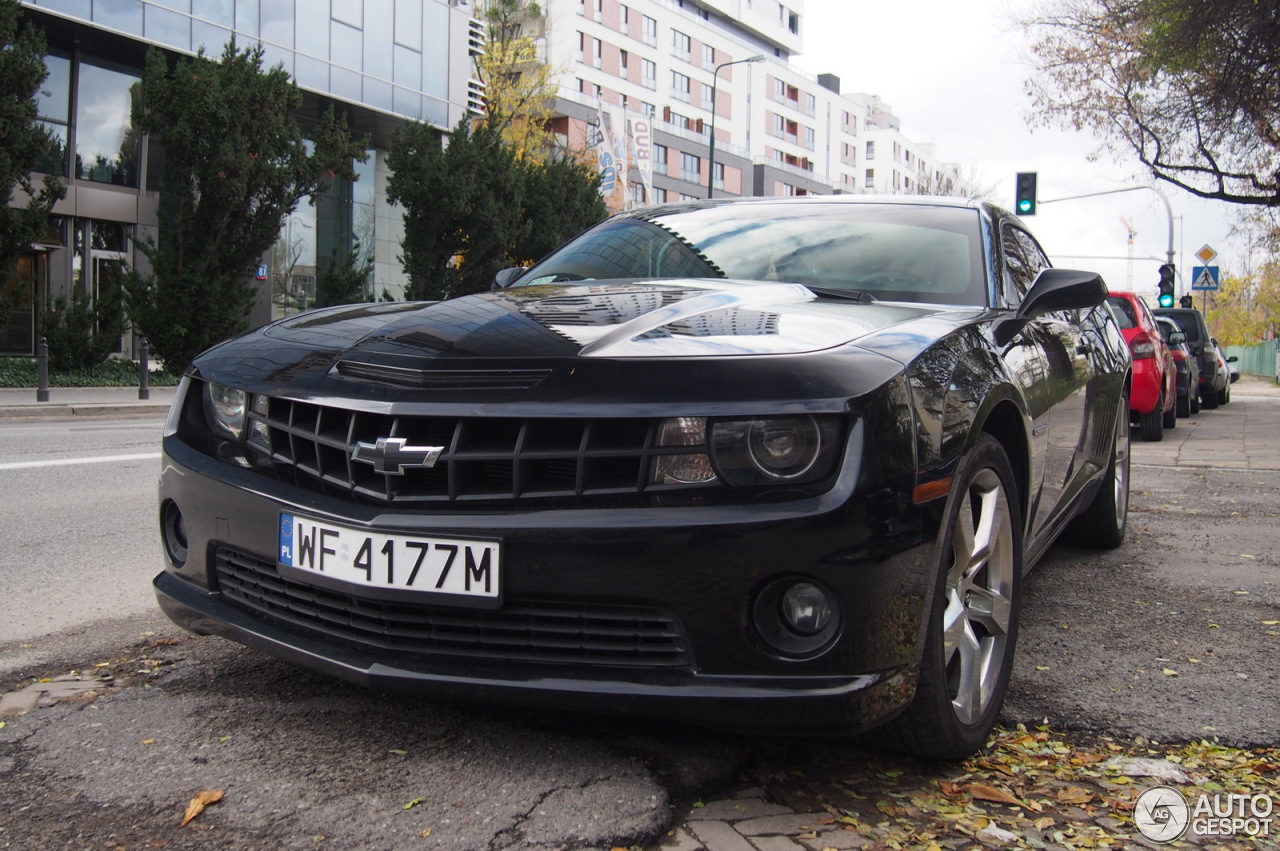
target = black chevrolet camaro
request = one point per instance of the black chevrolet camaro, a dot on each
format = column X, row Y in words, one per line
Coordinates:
column 761, row 464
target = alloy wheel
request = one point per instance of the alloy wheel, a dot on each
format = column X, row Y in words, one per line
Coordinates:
column 979, row 597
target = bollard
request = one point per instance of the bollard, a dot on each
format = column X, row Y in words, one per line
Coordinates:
column 144, row 392
column 42, row 370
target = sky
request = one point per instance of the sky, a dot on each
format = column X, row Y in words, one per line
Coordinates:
column 954, row 73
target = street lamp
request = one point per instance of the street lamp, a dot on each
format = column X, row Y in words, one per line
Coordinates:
column 711, row 150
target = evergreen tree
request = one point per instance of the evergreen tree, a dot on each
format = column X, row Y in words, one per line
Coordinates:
column 237, row 165
column 561, row 198
column 343, row 279
column 462, row 205
column 25, row 145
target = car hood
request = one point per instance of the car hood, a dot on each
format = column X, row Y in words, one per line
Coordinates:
column 674, row 318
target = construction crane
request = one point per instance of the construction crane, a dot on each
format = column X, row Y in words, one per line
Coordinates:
column 1132, row 234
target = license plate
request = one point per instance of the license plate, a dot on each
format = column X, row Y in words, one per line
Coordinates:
column 432, row 565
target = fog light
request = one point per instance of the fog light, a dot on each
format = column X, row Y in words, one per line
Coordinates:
column 805, row 608
column 796, row 618
column 173, row 533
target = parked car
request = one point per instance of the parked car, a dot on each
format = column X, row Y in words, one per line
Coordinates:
column 766, row 464
column 1154, row 396
column 1192, row 323
column 1187, row 365
column 1227, row 374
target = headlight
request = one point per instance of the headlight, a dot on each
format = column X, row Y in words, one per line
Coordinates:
column 225, row 409
column 774, row 450
column 791, row 449
column 683, row 469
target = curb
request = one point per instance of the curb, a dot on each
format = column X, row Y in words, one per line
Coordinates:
column 53, row 410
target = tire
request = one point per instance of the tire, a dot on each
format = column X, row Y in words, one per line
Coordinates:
column 1224, row 397
column 1209, row 400
column 973, row 622
column 1102, row 525
column 1193, row 397
column 1183, row 405
column 1169, row 419
column 1151, row 426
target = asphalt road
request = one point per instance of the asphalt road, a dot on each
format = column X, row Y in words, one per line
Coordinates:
column 308, row 762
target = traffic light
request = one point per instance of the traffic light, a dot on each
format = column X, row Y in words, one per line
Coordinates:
column 1186, row 301
column 1166, row 285
column 1026, row 194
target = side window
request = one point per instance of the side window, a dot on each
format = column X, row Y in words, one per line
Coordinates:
column 1023, row 260
column 1017, row 271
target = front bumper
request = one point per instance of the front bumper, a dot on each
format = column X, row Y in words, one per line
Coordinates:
column 703, row 567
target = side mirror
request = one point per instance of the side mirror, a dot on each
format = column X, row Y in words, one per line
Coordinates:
column 1177, row 338
column 1233, row 359
column 1063, row 289
column 506, row 277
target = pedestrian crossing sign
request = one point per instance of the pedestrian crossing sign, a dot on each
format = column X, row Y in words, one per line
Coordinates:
column 1204, row 277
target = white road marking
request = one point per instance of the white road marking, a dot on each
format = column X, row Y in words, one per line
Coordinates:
column 67, row 462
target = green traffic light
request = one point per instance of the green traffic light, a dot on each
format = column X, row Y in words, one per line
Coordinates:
column 1023, row 206
column 1166, row 300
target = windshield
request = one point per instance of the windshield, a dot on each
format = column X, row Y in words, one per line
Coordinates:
column 896, row 252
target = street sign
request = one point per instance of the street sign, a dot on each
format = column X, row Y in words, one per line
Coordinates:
column 1204, row 277
column 1206, row 254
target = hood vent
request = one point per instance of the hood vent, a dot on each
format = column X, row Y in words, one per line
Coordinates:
column 443, row 379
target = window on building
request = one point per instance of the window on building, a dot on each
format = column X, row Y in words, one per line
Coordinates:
column 597, row 54
column 871, row 179
column 650, row 31
column 717, row 175
column 53, row 106
column 707, row 99
column 649, row 74
column 690, row 167
column 871, row 151
column 810, row 139
column 624, row 19
column 708, row 56
column 623, row 59
column 681, row 45
column 680, row 89
column 582, row 47
column 106, row 146
column 810, row 105
column 659, row 159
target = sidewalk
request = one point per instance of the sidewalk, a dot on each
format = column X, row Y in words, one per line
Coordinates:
column 66, row 402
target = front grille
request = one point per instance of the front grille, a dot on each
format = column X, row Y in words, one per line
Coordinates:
column 525, row 631
column 482, row 458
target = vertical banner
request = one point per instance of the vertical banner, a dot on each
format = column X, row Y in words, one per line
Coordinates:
column 618, row 137
column 641, row 136
column 611, row 157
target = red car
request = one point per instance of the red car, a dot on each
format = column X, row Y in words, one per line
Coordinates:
column 1154, row 395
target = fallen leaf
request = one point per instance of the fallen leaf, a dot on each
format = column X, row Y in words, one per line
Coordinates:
column 147, row 742
column 1042, row 667
column 1169, row 672
column 1075, row 795
column 415, row 802
column 1270, row 623
column 199, row 802
column 1043, row 823
column 984, row 792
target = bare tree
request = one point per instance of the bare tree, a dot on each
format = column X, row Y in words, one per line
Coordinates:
column 1188, row 86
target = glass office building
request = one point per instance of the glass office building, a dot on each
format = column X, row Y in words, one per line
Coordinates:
column 383, row 62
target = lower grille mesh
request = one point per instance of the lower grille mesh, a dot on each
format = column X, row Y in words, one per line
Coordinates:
column 519, row 631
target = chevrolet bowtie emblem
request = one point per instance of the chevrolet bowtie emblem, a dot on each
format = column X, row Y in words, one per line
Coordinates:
column 390, row 455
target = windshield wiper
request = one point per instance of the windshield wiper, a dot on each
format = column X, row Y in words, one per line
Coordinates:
column 844, row 295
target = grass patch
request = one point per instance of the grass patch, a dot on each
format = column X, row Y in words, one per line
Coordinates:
column 21, row 373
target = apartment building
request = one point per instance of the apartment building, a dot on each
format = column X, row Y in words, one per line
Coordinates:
column 659, row 66
column 383, row 62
